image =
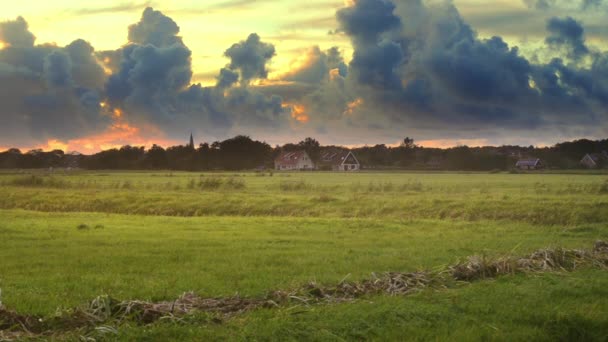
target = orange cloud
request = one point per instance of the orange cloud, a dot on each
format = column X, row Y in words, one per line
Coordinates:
column 334, row 74
column 298, row 112
column 118, row 134
column 352, row 106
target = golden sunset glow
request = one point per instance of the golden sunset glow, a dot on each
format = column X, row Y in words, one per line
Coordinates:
column 352, row 106
column 334, row 74
column 298, row 112
column 116, row 136
column 447, row 143
column 118, row 113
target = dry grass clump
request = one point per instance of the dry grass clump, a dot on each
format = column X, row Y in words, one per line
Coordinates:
column 392, row 283
column 557, row 259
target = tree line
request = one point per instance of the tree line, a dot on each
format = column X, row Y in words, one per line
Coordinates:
column 243, row 153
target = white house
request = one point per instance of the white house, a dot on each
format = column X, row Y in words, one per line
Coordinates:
column 340, row 160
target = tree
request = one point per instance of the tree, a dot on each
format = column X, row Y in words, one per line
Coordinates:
column 312, row 148
column 156, row 158
column 408, row 143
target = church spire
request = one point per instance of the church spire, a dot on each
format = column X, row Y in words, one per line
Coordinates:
column 191, row 144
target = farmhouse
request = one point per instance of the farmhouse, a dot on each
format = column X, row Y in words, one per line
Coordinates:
column 595, row 160
column 295, row 160
column 529, row 164
column 340, row 160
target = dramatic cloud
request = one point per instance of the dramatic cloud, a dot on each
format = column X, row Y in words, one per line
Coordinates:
column 250, row 57
column 16, row 33
column 153, row 83
column 569, row 34
column 42, row 98
column 422, row 68
column 417, row 68
column 315, row 66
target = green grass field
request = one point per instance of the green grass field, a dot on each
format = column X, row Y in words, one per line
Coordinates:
column 68, row 238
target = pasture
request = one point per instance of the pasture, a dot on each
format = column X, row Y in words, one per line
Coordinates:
column 67, row 238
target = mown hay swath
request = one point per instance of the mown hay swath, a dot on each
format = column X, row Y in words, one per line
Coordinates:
column 105, row 310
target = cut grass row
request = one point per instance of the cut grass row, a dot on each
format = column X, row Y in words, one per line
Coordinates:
column 105, row 313
column 549, row 307
column 49, row 261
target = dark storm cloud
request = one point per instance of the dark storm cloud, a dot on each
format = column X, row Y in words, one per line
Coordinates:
column 41, row 96
column 567, row 33
column 367, row 20
column 416, row 67
column 424, row 64
column 58, row 69
column 16, row 33
column 153, row 83
column 227, row 78
column 250, row 57
column 156, row 29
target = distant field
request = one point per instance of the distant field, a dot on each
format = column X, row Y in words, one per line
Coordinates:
column 68, row 238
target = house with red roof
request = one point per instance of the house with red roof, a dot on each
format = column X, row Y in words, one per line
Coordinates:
column 294, row 160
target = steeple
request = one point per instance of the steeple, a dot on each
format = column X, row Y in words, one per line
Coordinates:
column 191, row 144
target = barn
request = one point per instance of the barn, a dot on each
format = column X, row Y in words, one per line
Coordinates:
column 529, row 164
column 340, row 160
column 295, row 160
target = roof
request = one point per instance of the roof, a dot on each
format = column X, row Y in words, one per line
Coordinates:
column 336, row 157
column 596, row 157
column 528, row 162
column 290, row 158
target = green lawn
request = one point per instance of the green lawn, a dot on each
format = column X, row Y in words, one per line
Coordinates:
column 65, row 239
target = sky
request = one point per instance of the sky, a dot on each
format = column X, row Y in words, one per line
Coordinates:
column 349, row 72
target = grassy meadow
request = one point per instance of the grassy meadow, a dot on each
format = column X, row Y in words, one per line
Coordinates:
column 68, row 238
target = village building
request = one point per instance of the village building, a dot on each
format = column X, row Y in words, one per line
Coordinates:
column 295, row 160
column 529, row 164
column 73, row 160
column 595, row 160
column 339, row 160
